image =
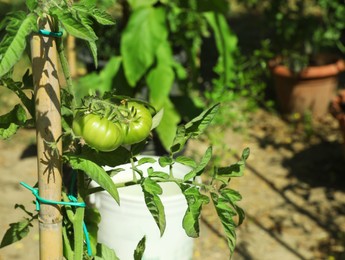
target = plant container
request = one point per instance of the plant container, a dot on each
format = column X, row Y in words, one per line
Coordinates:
column 122, row 227
column 310, row 90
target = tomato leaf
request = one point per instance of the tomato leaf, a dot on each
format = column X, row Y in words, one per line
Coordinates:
column 141, row 3
column 160, row 80
column 165, row 161
column 10, row 122
column 19, row 26
column 145, row 31
column 154, row 204
column 95, row 172
column 114, row 158
column 186, row 161
column 235, row 170
column 195, row 201
column 197, row 126
column 198, row 170
column 226, row 214
column 232, row 197
column 168, row 125
column 78, row 28
column 104, row 252
column 87, row 9
column 16, row 232
column 140, row 249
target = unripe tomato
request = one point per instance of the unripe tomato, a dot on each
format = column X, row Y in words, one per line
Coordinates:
column 138, row 123
column 98, row 132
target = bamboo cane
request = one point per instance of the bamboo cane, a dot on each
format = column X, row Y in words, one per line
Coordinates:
column 49, row 145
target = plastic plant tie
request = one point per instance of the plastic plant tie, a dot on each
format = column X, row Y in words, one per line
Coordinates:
column 49, row 33
column 52, row 202
column 73, row 202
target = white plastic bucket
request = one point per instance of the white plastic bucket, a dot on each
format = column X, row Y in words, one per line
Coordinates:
column 122, row 227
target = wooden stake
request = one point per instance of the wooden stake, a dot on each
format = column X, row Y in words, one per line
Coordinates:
column 49, row 144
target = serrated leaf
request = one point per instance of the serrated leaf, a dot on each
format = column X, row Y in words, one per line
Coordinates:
column 195, row 201
column 198, row 170
column 232, row 197
column 105, row 253
column 19, row 26
column 10, row 122
column 16, row 232
column 140, row 249
column 145, row 31
column 95, row 172
column 154, row 204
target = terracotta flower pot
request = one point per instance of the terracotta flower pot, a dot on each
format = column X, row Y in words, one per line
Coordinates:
column 312, row 89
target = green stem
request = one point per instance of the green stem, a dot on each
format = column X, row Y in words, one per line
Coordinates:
column 65, row 69
column 78, row 221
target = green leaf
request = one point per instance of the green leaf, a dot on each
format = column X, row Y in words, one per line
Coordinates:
column 19, row 26
column 78, row 28
column 226, row 214
column 197, row 126
column 237, row 169
column 95, row 172
column 140, row 249
column 105, row 253
column 158, row 174
column 114, row 158
column 135, row 4
column 195, row 201
column 146, row 160
column 160, row 80
column 31, row 4
column 99, row 83
column 168, row 125
column 165, row 161
column 145, row 31
column 179, row 139
column 10, row 122
column 232, row 196
column 186, row 161
column 90, row 10
column 199, row 169
column 16, row 232
column 154, row 204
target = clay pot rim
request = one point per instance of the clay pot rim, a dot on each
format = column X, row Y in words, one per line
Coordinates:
column 311, row 72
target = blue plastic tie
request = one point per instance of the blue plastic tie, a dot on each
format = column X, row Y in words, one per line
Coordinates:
column 73, row 202
column 50, row 34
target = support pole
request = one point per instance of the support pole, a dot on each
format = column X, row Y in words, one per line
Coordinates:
column 49, row 144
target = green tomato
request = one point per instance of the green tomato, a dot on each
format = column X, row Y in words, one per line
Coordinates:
column 98, row 132
column 138, row 123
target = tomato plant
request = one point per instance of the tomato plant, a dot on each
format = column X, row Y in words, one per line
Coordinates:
column 137, row 124
column 104, row 125
column 100, row 133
